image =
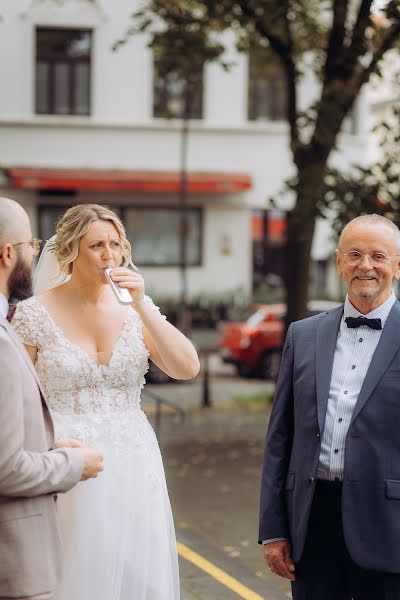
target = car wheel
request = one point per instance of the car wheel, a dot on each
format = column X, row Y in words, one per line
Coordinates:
column 269, row 365
column 244, row 371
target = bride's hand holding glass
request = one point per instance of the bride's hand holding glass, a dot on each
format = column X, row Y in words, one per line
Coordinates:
column 126, row 278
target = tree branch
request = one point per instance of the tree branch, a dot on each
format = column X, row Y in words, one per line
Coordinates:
column 357, row 46
column 284, row 53
column 363, row 20
column 388, row 42
column 281, row 49
column 336, row 38
column 344, row 74
column 291, row 80
column 358, row 77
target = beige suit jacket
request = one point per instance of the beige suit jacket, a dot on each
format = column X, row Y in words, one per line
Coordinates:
column 30, row 477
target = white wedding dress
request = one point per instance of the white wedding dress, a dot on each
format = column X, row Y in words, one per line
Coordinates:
column 118, row 531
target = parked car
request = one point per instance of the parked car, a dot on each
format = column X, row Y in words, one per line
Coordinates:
column 255, row 345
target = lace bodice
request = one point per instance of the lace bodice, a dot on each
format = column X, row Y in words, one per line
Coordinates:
column 73, row 383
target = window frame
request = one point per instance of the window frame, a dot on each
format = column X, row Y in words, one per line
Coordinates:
column 198, row 104
column 51, row 60
column 122, row 209
column 273, row 81
column 198, row 209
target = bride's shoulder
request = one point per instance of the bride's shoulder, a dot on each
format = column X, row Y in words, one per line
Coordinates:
column 29, row 321
column 154, row 305
column 28, row 309
column 26, row 305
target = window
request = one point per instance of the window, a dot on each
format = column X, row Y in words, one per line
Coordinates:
column 63, row 71
column 153, row 232
column 169, row 92
column 154, row 235
column 267, row 88
column 269, row 247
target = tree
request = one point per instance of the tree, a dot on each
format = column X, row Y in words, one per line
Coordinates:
column 366, row 189
column 340, row 40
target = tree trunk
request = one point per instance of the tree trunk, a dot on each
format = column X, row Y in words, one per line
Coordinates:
column 301, row 225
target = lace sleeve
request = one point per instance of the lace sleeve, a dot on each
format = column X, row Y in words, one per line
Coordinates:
column 28, row 322
column 153, row 306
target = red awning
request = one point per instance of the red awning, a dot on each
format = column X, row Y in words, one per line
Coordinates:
column 126, row 181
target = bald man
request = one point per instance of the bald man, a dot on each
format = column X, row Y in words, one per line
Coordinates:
column 330, row 499
column 32, row 472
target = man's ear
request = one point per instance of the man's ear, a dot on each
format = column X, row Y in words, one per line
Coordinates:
column 397, row 271
column 6, row 253
column 338, row 262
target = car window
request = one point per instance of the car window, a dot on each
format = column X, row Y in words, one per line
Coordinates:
column 256, row 318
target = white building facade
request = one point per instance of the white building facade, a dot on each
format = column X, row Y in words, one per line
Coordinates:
column 78, row 124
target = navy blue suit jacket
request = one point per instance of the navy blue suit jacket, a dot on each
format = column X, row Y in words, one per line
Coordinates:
column 371, row 482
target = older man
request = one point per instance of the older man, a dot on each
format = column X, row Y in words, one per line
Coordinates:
column 330, row 497
column 31, row 473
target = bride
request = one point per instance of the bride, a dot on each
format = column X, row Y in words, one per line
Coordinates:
column 91, row 354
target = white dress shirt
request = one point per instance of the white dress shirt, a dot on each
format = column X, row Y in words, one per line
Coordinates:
column 3, row 306
column 353, row 355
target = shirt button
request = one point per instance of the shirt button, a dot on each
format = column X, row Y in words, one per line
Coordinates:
column 353, row 366
column 336, row 450
column 360, row 340
column 340, row 419
column 345, row 392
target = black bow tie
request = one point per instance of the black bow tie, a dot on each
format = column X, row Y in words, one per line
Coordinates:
column 353, row 322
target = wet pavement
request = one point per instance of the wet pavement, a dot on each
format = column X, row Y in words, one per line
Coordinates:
column 213, row 462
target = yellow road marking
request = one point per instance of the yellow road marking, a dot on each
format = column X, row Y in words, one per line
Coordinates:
column 217, row 573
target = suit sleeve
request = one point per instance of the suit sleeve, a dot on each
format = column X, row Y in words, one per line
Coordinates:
column 24, row 473
column 278, row 446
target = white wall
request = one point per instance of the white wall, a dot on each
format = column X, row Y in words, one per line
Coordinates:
column 220, row 272
column 121, row 133
column 226, row 252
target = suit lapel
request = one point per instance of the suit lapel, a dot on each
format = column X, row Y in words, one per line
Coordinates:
column 387, row 348
column 327, row 333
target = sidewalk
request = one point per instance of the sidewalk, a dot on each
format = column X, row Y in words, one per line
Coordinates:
column 224, row 385
column 213, row 463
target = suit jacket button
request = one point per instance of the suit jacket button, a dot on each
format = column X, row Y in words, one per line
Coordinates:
column 318, row 435
column 311, row 479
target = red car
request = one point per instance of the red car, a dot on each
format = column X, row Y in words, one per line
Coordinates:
column 255, row 346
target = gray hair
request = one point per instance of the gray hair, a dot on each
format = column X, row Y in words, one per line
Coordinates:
column 373, row 219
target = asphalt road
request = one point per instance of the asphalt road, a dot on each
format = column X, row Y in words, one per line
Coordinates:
column 212, row 464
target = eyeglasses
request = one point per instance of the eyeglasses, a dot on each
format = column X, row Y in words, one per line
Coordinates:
column 36, row 244
column 377, row 259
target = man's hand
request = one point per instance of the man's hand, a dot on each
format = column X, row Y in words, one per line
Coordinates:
column 69, row 443
column 279, row 558
column 93, row 463
column 92, row 459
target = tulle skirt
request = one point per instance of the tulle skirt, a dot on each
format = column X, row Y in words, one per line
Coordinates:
column 117, row 529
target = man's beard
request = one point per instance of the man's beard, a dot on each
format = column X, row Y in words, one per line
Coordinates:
column 20, row 281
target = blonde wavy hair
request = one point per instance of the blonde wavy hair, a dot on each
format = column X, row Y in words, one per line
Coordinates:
column 75, row 223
